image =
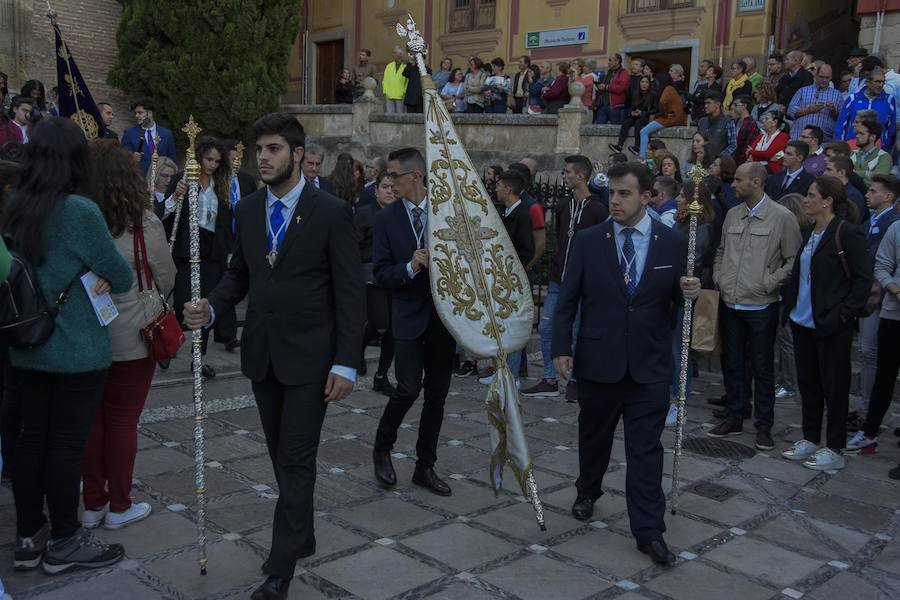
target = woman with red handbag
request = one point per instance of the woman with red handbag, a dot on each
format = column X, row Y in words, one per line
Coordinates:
column 138, row 337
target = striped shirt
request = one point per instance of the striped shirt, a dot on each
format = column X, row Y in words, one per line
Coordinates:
column 825, row 118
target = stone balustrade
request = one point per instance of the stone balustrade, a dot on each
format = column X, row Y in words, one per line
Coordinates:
column 364, row 130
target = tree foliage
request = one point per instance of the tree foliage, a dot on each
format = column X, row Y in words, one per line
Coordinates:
column 224, row 61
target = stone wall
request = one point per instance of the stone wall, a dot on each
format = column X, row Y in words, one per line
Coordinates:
column 890, row 33
column 364, row 131
column 27, row 47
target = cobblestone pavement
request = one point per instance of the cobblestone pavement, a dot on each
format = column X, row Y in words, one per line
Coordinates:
column 774, row 530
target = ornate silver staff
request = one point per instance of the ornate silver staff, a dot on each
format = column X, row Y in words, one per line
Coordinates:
column 694, row 209
column 154, row 165
column 192, row 176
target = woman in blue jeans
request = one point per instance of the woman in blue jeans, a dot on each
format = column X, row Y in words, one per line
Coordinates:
column 669, row 111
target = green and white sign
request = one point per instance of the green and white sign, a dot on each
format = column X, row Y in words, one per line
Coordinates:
column 570, row 36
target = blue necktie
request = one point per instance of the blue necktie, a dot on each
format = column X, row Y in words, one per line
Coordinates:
column 276, row 223
column 629, row 269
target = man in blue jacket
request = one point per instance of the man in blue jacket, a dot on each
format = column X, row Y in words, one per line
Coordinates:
column 141, row 138
column 871, row 97
column 626, row 274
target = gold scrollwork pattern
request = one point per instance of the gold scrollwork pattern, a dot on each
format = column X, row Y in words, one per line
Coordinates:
column 506, row 284
column 453, row 281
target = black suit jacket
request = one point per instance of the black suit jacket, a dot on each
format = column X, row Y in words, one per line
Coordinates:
column 366, row 196
column 789, row 84
column 836, row 300
column 393, row 245
column 326, row 185
column 800, row 184
column 619, row 334
column 223, row 241
column 303, row 314
column 518, row 226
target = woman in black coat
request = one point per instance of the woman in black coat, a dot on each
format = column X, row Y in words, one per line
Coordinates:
column 378, row 299
column 828, row 289
column 643, row 106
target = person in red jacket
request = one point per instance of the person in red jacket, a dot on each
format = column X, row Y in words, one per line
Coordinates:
column 768, row 148
column 610, row 99
column 557, row 95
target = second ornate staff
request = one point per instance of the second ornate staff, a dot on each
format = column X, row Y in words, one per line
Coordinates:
column 192, row 176
column 694, row 210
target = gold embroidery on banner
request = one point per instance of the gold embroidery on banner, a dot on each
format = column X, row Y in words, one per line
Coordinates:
column 454, row 283
column 506, row 282
column 87, row 123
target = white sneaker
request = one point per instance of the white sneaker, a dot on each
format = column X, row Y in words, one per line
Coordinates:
column 800, row 450
column 91, row 519
column 825, row 459
column 672, row 416
column 138, row 512
column 860, row 442
column 782, row 393
column 486, row 380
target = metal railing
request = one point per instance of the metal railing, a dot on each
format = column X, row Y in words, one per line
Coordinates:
column 642, row 6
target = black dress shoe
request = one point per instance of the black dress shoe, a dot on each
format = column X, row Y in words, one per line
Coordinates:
column 428, row 479
column 384, row 469
column 583, row 509
column 233, row 345
column 383, row 385
column 659, row 552
column 273, row 588
column 208, row 372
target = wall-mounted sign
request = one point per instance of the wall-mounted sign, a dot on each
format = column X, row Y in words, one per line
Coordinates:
column 570, row 36
column 751, row 5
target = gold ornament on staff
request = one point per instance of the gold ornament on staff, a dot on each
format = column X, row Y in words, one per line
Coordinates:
column 154, row 165
column 192, row 176
column 694, row 210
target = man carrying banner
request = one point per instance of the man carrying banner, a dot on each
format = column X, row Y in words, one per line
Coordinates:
column 627, row 276
column 422, row 343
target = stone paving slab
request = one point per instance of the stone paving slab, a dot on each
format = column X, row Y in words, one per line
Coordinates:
column 786, row 529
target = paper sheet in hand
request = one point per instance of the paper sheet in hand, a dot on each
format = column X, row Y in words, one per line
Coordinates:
column 103, row 305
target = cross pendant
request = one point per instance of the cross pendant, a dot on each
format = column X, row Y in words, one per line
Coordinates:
column 272, row 257
column 627, row 278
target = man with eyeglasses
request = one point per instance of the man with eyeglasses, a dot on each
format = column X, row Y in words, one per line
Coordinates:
column 423, row 348
column 816, row 104
column 815, row 162
column 775, row 67
column 747, row 129
column 871, row 97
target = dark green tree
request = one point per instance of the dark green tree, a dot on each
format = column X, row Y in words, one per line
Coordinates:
column 224, row 61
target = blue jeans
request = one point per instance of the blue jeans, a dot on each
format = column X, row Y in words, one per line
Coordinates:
column 605, row 115
column 649, row 128
column 545, row 328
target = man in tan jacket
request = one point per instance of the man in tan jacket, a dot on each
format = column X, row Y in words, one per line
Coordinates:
column 760, row 239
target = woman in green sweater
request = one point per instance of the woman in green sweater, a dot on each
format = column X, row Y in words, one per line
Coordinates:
column 63, row 234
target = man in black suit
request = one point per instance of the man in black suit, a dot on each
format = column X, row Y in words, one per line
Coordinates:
column 792, row 178
column 312, row 164
column 373, row 167
column 626, row 274
column 422, row 343
column 297, row 260
column 796, row 77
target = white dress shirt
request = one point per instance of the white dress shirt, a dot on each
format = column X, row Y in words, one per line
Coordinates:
column 641, row 240
column 421, row 238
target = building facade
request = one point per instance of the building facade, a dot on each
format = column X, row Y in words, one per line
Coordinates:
column 27, row 48
column 664, row 31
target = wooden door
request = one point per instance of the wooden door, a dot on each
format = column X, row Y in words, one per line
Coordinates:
column 329, row 62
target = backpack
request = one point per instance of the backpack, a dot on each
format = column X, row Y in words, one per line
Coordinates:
column 26, row 319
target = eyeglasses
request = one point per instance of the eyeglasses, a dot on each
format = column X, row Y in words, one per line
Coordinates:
column 881, row 81
column 393, row 175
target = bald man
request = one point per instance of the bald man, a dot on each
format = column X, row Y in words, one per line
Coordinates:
column 795, row 78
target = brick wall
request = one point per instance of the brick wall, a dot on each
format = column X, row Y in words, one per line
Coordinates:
column 89, row 27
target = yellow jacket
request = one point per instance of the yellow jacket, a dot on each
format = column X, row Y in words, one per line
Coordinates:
column 393, row 83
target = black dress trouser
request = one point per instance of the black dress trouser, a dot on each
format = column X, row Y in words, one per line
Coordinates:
column 292, row 418
column 431, row 355
column 823, row 377
column 885, row 374
column 644, row 408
